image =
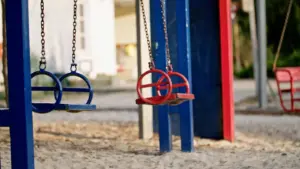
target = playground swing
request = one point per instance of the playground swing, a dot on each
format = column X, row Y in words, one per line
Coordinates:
column 73, row 108
column 286, row 75
column 164, row 82
column 38, row 107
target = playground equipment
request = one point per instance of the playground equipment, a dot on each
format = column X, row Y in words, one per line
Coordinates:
column 58, row 89
column 211, row 60
column 36, row 107
column 164, row 82
column 201, row 51
column 287, row 75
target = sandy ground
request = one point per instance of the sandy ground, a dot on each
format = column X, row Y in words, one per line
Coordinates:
column 108, row 139
column 262, row 142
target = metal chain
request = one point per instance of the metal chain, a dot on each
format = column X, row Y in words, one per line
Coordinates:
column 151, row 63
column 283, row 33
column 73, row 64
column 43, row 63
column 169, row 64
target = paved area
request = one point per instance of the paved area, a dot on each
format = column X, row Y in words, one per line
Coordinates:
column 120, row 106
column 266, row 142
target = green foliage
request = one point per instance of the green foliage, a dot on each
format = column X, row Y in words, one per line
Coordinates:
column 291, row 60
column 290, row 51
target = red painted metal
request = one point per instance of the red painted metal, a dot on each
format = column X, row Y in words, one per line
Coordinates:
column 177, row 98
column 226, row 69
column 165, row 83
column 288, row 75
column 153, row 100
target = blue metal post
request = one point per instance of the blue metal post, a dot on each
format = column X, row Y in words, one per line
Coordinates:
column 184, row 67
column 158, row 48
column 4, row 118
column 21, row 128
column 206, row 68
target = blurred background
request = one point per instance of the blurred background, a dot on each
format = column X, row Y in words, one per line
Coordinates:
column 107, row 44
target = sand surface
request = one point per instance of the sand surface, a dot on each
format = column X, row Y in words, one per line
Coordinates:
column 262, row 142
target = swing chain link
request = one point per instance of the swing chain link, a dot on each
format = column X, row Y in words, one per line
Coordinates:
column 43, row 63
column 151, row 63
column 73, row 67
column 164, row 19
column 283, row 33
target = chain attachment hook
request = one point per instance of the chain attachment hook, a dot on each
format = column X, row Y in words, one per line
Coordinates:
column 169, row 67
column 43, row 65
column 73, row 67
column 151, row 65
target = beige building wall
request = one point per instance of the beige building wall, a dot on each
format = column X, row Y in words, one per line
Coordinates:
column 126, row 34
column 125, row 31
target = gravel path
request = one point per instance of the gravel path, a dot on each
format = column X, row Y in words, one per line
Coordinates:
column 261, row 142
column 108, row 139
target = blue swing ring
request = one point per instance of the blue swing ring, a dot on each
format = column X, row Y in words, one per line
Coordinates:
column 57, row 89
column 81, row 76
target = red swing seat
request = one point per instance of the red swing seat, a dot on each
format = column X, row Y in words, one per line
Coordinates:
column 168, row 99
column 288, row 76
column 174, row 99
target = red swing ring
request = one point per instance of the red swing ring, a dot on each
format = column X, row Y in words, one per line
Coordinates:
column 171, row 73
column 155, row 100
column 176, row 98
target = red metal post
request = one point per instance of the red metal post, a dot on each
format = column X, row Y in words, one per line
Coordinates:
column 226, row 69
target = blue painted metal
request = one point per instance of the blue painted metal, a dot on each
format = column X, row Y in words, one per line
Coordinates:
column 89, row 88
column 172, row 35
column 184, row 58
column 47, row 107
column 21, row 128
column 57, row 90
column 4, row 118
column 67, row 107
column 65, row 89
column 158, row 49
column 78, row 90
column 206, row 73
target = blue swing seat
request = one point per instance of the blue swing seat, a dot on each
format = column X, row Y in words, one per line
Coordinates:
column 67, row 107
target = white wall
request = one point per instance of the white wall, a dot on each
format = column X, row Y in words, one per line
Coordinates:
column 1, row 38
column 100, row 34
column 58, row 23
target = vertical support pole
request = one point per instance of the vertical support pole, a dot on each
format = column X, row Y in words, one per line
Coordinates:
column 21, row 128
column 159, row 53
column 262, row 53
column 206, row 68
column 226, row 70
column 184, row 67
column 145, row 111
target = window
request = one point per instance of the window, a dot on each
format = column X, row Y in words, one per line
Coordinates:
column 81, row 26
column 81, row 23
column 82, row 42
column 81, row 10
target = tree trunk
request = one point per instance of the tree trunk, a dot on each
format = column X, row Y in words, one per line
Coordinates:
column 4, row 52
